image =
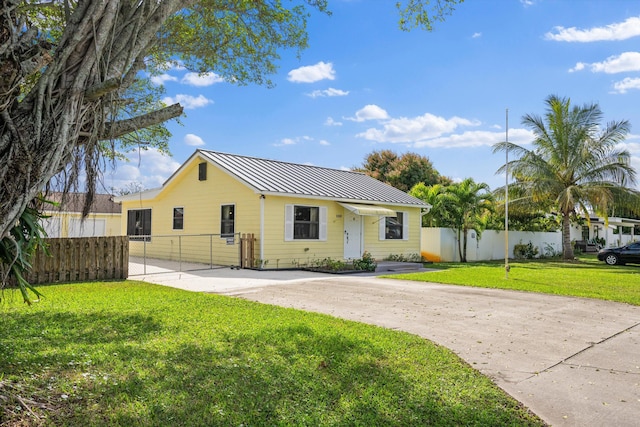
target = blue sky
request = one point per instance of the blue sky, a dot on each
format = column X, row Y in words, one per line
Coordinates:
column 365, row 85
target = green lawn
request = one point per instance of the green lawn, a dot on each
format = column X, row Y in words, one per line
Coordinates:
column 131, row 353
column 586, row 277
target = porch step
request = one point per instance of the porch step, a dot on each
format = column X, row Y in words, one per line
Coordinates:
column 396, row 266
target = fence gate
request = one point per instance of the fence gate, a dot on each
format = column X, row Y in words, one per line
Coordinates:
column 185, row 252
column 247, row 251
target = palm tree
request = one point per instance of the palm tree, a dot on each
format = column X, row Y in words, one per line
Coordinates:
column 574, row 164
column 466, row 204
column 437, row 214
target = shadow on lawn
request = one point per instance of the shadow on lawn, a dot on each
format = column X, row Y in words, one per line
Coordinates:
column 276, row 375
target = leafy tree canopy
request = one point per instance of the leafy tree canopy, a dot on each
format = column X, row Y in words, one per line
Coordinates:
column 73, row 76
column 401, row 171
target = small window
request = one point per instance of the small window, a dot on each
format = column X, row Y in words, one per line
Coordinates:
column 139, row 224
column 393, row 227
column 202, row 171
column 306, row 222
column 178, row 218
column 227, row 220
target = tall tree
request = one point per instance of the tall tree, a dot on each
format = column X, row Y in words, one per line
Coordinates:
column 575, row 164
column 68, row 68
column 466, row 203
column 401, row 172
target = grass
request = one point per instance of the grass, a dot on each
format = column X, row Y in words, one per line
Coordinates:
column 586, row 277
column 131, row 353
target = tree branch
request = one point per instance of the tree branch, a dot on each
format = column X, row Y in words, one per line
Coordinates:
column 98, row 91
column 123, row 127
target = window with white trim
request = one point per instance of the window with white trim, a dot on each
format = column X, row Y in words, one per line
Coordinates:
column 305, row 222
column 178, row 218
column 395, row 227
column 227, row 220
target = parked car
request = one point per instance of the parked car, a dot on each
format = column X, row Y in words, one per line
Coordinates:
column 621, row 255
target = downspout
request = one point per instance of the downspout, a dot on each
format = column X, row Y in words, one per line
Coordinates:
column 262, row 231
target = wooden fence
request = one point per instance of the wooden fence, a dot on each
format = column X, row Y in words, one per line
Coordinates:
column 81, row 259
column 247, row 251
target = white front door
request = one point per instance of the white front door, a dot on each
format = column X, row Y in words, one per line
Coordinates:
column 352, row 235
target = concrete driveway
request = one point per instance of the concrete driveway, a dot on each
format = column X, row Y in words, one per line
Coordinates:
column 572, row 361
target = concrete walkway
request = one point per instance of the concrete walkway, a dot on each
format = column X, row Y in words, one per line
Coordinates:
column 572, row 361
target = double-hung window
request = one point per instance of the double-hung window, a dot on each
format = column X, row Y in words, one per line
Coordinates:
column 227, row 220
column 305, row 222
column 178, row 218
column 395, row 228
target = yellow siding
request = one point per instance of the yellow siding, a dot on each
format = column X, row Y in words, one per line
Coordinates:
column 202, row 201
column 282, row 254
column 303, row 253
column 381, row 249
column 112, row 223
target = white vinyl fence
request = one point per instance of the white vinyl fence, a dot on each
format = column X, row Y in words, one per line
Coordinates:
column 441, row 244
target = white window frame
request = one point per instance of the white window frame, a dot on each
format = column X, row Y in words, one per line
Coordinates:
column 382, row 232
column 173, row 219
column 225, row 235
column 289, row 220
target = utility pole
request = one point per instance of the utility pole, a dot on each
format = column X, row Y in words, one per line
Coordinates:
column 506, row 201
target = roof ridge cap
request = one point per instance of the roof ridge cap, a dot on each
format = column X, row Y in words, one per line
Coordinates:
column 280, row 161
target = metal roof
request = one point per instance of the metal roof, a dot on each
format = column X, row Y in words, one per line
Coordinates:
column 277, row 177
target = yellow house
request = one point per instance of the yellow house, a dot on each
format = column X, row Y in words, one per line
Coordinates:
column 297, row 213
column 66, row 220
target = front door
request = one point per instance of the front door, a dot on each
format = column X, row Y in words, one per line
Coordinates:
column 352, row 235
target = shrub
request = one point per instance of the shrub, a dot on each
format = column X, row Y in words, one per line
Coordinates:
column 550, row 251
column 525, row 251
column 405, row 258
column 329, row 264
column 366, row 263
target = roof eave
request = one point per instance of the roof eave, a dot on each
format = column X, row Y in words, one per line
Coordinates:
column 343, row 199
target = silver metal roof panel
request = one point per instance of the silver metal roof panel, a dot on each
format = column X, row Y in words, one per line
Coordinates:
column 272, row 176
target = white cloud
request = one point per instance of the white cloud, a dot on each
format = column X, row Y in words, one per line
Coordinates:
column 148, row 167
column 618, row 31
column 187, row 101
column 171, row 65
column 627, row 61
column 292, row 141
column 579, row 67
column 412, row 130
column 328, row 92
column 162, row 78
column 627, row 84
column 324, row 142
column 477, row 139
column 527, row 3
column 369, row 112
column 331, row 122
column 207, row 79
column 193, row 140
column 476, row 35
column 312, row 73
